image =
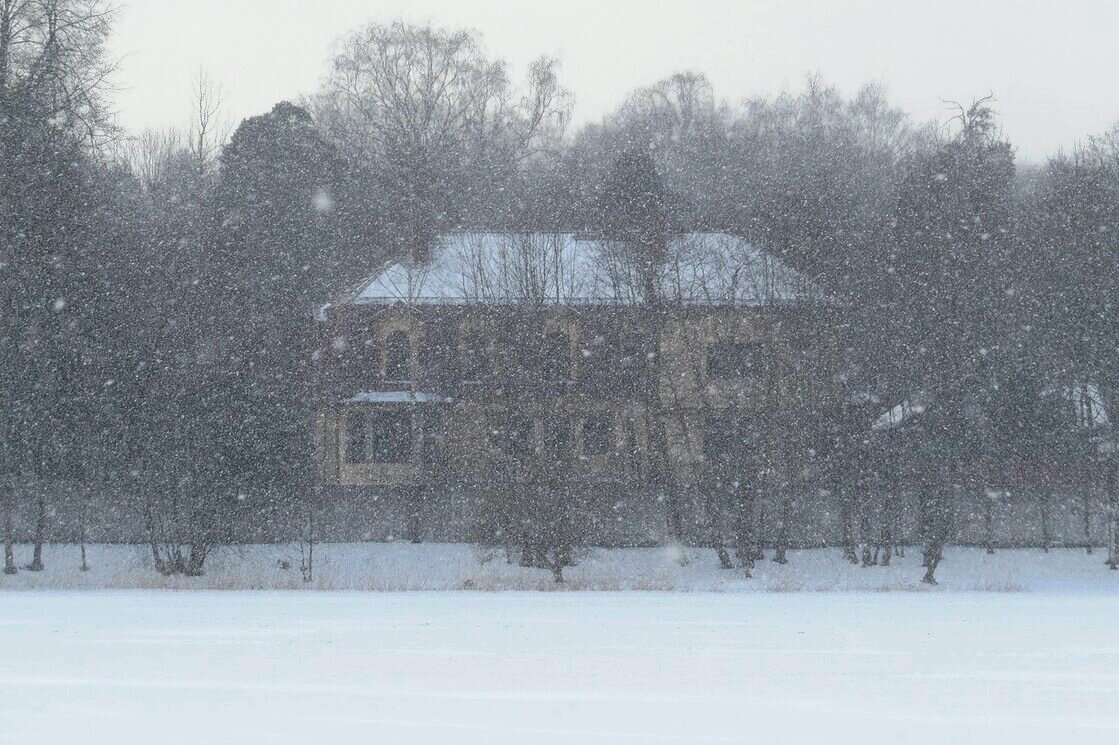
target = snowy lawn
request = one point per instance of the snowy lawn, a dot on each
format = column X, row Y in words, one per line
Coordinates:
column 404, row 566
column 451, row 668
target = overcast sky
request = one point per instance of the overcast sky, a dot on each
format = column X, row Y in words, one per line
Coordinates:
column 1051, row 63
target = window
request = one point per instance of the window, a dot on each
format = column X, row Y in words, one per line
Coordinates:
column 383, row 437
column 727, row 438
column 355, row 438
column 597, row 433
column 633, row 359
column 594, row 366
column 558, row 440
column 390, row 437
column 512, row 435
column 432, row 439
column 398, row 357
column 473, row 350
column 731, row 360
column 633, row 448
column 556, row 358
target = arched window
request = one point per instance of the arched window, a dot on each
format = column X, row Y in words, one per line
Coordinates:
column 474, row 364
column 356, row 438
column 390, row 437
column 557, row 357
column 731, row 360
column 512, row 434
column 398, row 357
column 729, row 439
column 598, row 433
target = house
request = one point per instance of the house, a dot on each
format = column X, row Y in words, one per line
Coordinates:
column 448, row 374
column 1036, row 467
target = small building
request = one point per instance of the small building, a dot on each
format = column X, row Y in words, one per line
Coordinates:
column 447, row 375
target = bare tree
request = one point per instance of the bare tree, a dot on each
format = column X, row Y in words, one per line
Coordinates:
column 9, row 538
column 308, row 537
column 208, row 129
column 431, row 112
column 53, row 67
column 53, row 115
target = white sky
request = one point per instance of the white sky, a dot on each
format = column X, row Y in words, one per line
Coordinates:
column 1051, row 63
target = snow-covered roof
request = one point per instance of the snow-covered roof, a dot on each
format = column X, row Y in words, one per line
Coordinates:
column 1088, row 403
column 396, row 397
column 566, row 268
column 898, row 414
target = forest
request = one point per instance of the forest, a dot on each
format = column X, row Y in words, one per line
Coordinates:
column 158, row 289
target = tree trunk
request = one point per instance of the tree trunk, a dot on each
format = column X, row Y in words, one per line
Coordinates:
column 1087, row 510
column 716, row 522
column 81, row 535
column 676, row 522
column 936, row 529
column 1112, row 505
column 846, row 519
column 934, row 550
column 989, row 520
column 198, row 550
column 886, row 538
column 896, row 507
column 307, row 537
column 724, row 555
column 782, row 542
column 1046, row 537
column 745, row 548
column 36, row 564
column 759, row 529
column 414, row 498
column 9, row 528
column 868, row 559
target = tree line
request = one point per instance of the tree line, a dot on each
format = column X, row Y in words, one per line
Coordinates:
column 157, row 288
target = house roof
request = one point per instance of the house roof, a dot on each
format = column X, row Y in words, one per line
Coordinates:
column 1086, row 403
column 566, row 268
column 396, row 397
column 899, row 414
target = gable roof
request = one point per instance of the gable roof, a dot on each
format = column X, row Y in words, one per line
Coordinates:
column 566, row 268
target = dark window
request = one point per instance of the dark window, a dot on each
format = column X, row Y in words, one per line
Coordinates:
column 727, row 438
column 398, row 357
column 802, row 351
column 597, row 433
column 556, row 358
column 633, row 359
column 594, row 367
column 432, row 438
column 474, row 365
column 512, row 435
column 633, row 449
column 731, row 360
column 355, row 438
column 558, row 440
column 390, row 437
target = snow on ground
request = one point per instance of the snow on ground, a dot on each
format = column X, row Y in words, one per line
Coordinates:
column 405, row 566
column 456, row 668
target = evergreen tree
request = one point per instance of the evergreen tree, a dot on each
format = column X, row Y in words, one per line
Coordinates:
column 953, row 242
column 290, row 242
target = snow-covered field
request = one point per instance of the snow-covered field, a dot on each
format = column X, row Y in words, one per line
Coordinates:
column 1023, row 651
column 404, row 566
column 456, row 668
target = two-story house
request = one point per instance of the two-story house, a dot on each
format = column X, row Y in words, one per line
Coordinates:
column 446, row 373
